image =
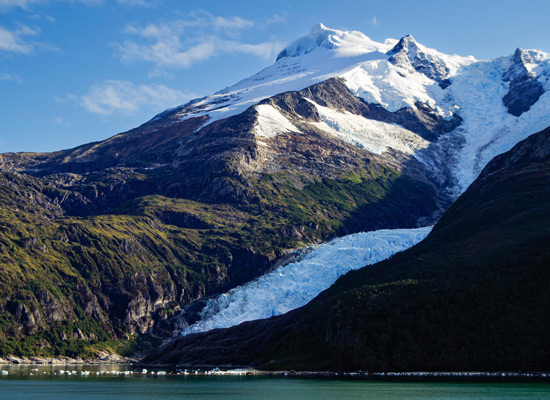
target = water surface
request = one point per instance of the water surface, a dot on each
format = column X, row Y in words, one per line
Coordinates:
column 31, row 382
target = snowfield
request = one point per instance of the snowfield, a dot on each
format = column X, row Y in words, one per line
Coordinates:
column 295, row 284
column 271, row 122
column 476, row 91
column 374, row 136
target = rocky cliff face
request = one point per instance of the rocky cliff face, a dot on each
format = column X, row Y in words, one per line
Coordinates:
column 408, row 54
column 525, row 89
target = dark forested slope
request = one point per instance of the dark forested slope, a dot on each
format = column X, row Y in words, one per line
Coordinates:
column 472, row 296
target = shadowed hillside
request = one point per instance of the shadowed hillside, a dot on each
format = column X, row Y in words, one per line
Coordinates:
column 472, row 296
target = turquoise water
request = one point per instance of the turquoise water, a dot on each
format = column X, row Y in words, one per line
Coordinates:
column 42, row 384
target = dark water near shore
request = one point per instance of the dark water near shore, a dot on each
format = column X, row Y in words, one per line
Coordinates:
column 33, row 382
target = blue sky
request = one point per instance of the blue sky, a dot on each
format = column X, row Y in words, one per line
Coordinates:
column 76, row 71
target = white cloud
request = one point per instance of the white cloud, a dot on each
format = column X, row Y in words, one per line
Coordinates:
column 89, row 3
column 12, row 40
column 281, row 18
column 115, row 96
column 184, row 42
column 162, row 31
column 134, row 3
column 231, row 23
column 60, row 121
column 374, row 21
column 38, row 17
column 8, row 4
column 202, row 21
column 7, row 76
column 172, row 53
column 265, row 50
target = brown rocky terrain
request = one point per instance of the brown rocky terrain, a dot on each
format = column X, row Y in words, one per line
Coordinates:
column 111, row 239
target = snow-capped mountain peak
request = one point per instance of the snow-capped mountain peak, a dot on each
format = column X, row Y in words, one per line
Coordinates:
column 524, row 63
column 497, row 102
column 344, row 43
column 319, row 36
column 527, row 75
column 411, row 55
column 403, row 43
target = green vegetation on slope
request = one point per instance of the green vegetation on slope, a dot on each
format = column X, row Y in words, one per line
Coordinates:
column 71, row 285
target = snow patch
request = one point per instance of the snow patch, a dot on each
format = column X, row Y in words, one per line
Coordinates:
column 271, row 122
column 295, row 284
column 380, row 82
column 372, row 135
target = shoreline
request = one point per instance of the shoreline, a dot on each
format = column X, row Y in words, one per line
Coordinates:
column 470, row 376
column 108, row 358
column 133, row 368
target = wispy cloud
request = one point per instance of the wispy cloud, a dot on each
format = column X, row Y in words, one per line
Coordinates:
column 7, row 5
column 173, row 53
column 60, row 121
column 16, row 40
column 38, row 17
column 374, row 21
column 10, row 77
column 183, row 42
column 136, row 3
column 281, row 18
column 25, row 4
column 231, row 23
column 12, row 40
column 89, row 3
column 199, row 22
column 124, row 97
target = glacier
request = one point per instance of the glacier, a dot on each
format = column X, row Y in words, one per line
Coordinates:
column 295, row 284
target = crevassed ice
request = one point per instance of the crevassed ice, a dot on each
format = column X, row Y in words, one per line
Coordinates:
column 487, row 127
column 295, row 284
column 372, row 135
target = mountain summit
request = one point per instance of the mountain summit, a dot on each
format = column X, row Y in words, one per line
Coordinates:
column 405, row 75
column 321, row 37
column 522, row 74
column 408, row 54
